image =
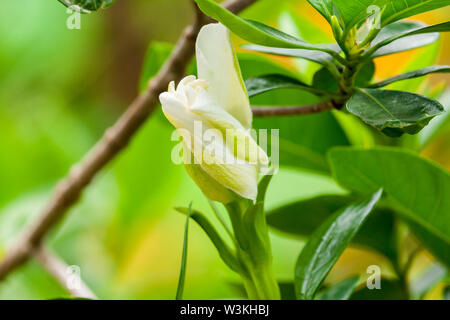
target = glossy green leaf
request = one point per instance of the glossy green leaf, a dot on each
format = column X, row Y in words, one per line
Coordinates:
column 340, row 291
column 411, row 75
column 225, row 252
column 416, row 188
column 405, row 35
column 303, row 217
column 324, row 80
column 256, row 32
column 354, row 12
column 393, row 112
column 88, row 5
column 401, row 9
column 182, row 277
column 270, row 82
column 319, row 57
column 327, row 244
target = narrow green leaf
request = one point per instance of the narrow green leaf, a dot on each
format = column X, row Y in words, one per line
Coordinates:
column 340, row 291
column 88, row 5
column 303, row 217
column 411, row 75
column 319, row 57
column 263, row 185
column 225, row 252
column 270, row 82
column 393, row 112
column 327, row 244
column 405, row 35
column 182, row 277
column 417, row 189
column 325, row 7
column 257, row 32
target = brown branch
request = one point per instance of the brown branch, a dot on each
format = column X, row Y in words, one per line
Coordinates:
column 289, row 111
column 61, row 272
column 113, row 141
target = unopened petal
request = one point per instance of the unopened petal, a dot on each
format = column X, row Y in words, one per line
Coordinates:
column 217, row 63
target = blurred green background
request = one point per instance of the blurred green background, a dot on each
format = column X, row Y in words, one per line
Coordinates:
column 60, row 89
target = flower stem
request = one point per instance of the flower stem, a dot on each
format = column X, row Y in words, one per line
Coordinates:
column 253, row 251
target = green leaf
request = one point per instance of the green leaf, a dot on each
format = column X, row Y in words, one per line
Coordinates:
column 393, row 112
column 417, row 189
column 405, row 35
column 270, row 82
column 325, row 7
column 182, row 277
column 354, row 12
column 411, row 75
column 327, row 243
column 157, row 54
column 401, row 9
column 257, row 32
column 319, row 57
column 340, row 291
column 324, row 80
column 303, row 217
column 225, row 252
column 88, row 5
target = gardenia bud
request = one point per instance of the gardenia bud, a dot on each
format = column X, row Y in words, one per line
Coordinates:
column 213, row 117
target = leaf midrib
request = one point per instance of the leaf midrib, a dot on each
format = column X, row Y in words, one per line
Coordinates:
column 379, row 104
column 392, row 17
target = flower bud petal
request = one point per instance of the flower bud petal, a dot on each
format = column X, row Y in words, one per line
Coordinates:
column 217, row 63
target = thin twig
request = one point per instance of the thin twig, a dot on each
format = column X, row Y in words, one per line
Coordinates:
column 113, row 141
column 289, row 111
column 61, row 272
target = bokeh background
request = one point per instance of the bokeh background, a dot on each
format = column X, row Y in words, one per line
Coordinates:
column 60, row 89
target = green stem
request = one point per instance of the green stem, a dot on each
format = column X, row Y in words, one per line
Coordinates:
column 253, row 251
